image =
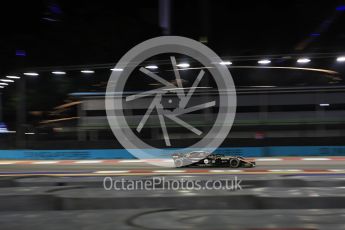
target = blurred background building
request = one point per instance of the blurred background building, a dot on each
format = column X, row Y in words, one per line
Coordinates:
column 287, row 61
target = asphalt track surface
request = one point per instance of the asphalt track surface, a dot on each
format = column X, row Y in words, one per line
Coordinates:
column 278, row 194
column 332, row 165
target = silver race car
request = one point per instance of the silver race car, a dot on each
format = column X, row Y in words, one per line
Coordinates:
column 202, row 158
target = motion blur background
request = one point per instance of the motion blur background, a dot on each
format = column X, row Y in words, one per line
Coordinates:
column 286, row 59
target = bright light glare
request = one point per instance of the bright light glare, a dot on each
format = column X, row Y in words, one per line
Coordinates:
column 116, row 69
column 1, row 87
column 264, row 61
column 263, row 86
column 6, row 80
column 31, row 74
column 303, row 60
column 225, row 63
column 324, row 105
column 3, row 83
column 341, row 59
column 151, row 67
column 87, row 71
column 183, row 65
column 340, row 8
column 13, row 77
column 59, row 72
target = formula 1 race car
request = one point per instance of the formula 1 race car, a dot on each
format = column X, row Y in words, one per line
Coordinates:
column 201, row 158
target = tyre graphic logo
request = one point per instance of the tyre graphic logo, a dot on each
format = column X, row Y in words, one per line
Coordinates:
column 116, row 98
column 157, row 101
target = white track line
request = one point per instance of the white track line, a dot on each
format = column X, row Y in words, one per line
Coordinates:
column 276, row 170
column 294, row 170
column 285, row 170
column 88, row 162
column 169, row 171
column 336, row 170
column 315, row 159
column 268, row 159
column 222, row 171
column 7, row 162
column 111, row 172
column 44, row 162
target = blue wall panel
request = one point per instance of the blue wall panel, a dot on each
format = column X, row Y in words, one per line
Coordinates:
column 124, row 154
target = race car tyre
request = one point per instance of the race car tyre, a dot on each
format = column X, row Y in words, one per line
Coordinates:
column 234, row 163
column 178, row 163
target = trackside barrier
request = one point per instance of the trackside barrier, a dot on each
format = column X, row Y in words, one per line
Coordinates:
column 271, row 151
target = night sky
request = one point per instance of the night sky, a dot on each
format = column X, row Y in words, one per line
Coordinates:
column 56, row 33
column 48, row 34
